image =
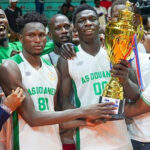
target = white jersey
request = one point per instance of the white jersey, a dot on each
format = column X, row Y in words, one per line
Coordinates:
column 41, row 85
column 52, row 57
column 90, row 74
column 140, row 127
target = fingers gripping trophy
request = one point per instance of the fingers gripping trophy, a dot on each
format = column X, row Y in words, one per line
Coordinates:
column 119, row 37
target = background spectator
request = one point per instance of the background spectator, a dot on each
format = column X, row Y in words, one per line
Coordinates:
column 102, row 12
column 39, row 6
column 83, row 2
column 105, row 3
column 68, row 3
column 67, row 10
column 13, row 12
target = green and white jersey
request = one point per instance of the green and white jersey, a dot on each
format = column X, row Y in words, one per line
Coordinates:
column 41, row 85
column 140, row 126
column 90, row 74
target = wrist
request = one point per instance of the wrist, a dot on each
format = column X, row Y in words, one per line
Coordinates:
column 7, row 109
column 82, row 112
column 126, row 83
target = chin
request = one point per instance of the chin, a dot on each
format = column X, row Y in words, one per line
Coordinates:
column 37, row 53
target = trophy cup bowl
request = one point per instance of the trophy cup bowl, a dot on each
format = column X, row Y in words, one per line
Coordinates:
column 119, row 43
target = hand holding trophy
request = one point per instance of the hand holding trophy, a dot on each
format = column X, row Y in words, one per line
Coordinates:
column 119, row 39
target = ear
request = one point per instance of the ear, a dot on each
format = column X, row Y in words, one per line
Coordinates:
column 20, row 38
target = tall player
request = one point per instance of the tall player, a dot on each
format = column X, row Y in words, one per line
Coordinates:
column 88, row 73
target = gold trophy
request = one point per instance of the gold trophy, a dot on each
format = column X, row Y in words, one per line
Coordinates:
column 118, row 42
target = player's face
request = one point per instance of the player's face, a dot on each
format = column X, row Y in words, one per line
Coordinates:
column 61, row 30
column 33, row 38
column 3, row 25
column 87, row 25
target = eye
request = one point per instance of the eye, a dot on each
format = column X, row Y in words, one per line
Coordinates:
column 67, row 26
column 57, row 28
column 81, row 21
column 31, row 35
column 2, row 16
column 42, row 35
column 93, row 18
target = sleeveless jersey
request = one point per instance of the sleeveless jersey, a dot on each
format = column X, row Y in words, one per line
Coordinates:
column 140, row 126
column 90, row 74
column 41, row 85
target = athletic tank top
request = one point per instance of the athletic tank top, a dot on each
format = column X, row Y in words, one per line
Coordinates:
column 41, row 85
column 140, row 126
column 89, row 75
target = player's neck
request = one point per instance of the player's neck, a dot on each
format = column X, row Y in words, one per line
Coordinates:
column 56, row 50
column 34, row 60
column 4, row 42
column 91, row 48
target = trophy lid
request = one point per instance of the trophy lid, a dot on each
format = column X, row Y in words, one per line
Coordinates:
column 126, row 14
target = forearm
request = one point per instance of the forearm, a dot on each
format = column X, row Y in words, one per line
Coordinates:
column 73, row 124
column 131, row 90
column 49, row 118
column 138, row 108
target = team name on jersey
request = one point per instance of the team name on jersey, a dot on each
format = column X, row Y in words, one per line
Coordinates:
column 41, row 90
column 95, row 75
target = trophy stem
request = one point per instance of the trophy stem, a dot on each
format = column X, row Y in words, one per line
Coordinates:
column 114, row 89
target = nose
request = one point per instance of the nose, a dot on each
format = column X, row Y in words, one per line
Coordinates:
column 88, row 23
column 1, row 20
column 63, row 30
column 37, row 39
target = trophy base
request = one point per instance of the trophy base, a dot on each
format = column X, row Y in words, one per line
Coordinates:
column 118, row 117
column 119, row 104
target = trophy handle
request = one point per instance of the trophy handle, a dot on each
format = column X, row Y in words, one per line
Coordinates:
column 140, row 29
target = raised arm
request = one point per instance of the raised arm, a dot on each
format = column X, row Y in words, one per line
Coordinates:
column 121, row 71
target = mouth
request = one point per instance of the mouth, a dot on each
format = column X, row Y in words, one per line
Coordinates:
column 2, row 31
column 89, row 31
column 2, row 28
column 65, row 38
column 38, row 47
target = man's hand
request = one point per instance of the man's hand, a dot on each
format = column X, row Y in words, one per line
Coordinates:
column 96, row 111
column 67, row 51
column 14, row 99
column 121, row 71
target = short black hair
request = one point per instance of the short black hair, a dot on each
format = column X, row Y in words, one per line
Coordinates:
column 64, row 5
column 117, row 2
column 81, row 8
column 54, row 17
column 30, row 17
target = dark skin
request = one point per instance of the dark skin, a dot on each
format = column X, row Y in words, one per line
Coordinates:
column 138, row 108
column 66, row 86
column 4, row 32
column 13, row 5
column 3, row 29
column 33, row 38
column 88, row 28
column 60, row 32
